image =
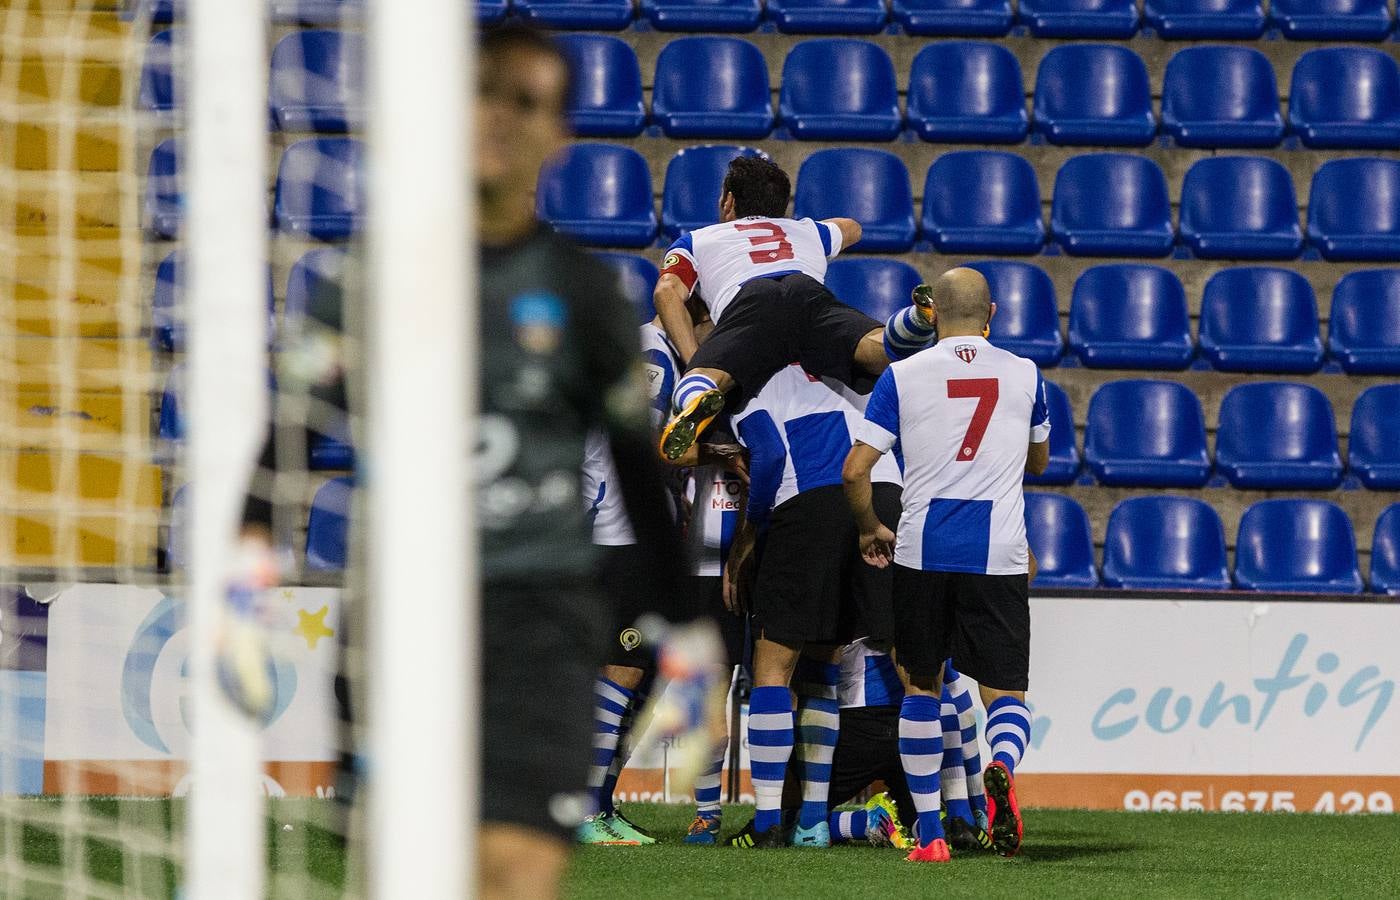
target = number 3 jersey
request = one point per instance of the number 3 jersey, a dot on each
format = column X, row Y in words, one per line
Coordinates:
column 719, row 259
column 963, row 413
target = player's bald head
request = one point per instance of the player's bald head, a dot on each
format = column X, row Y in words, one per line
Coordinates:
column 962, row 297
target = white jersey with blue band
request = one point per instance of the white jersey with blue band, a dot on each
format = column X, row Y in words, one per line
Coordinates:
column 963, row 413
column 868, row 677
column 603, row 501
column 714, row 518
column 798, row 433
column 719, row 259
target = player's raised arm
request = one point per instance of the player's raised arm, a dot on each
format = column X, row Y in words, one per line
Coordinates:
column 850, row 232
column 677, row 282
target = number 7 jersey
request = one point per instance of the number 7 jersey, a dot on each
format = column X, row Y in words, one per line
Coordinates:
column 964, row 413
column 719, row 259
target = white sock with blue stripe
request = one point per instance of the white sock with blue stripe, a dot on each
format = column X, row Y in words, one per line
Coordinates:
column 956, row 690
column 690, row 386
column 952, row 778
column 610, row 705
column 770, row 748
column 848, row 826
column 906, row 333
column 921, row 752
column 1008, row 731
column 707, row 785
column 818, row 727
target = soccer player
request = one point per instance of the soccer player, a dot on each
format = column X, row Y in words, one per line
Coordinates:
column 970, row 420
column 761, row 276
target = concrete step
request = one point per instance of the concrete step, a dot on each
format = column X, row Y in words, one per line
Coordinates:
column 84, row 290
column 81, row 204
column 39, row 146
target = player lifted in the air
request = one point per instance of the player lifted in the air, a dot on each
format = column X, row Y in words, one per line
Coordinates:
column 761, row 276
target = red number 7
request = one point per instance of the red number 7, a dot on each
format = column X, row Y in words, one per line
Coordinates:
column 986, row 391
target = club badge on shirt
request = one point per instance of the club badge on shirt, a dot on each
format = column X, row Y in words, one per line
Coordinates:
column 966, row 352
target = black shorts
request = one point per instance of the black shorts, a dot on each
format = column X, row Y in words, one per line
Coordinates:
column 874, row 588
column 540, row 649
column 803, row 592
column 867, row 750
column 704, row 596
column 775, row 322
column 622, row 574
column 983, row 622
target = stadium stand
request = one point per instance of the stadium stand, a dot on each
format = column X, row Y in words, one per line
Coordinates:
column 1112, row 204
column 327, row 525
column 1095, row 94
column 839, row 89
column 164, row 203
column 316, row 12
column 1064, row 455
column 1297, row 545
column 171, row 427
column 1346, row 97
column 1080, row 18
column 1354, row 209
column 965, row 18
column 982, row 201
column 1373, row 445
column 1385, row 553
column 828, row 16
column 1260, row 320
column 1058, row 532
column 1278, row 436
column 871, row 186
column 1206, row 19
column 1165, row 543
column 1146, row 434
column 167, row 325
column 159, row 92
column 317, row 82
column 1129, row 316
column 605, row 99
column 600, row 15
column 1027, row 320
column 1364, row 330
column 637, row 275
column 712, row 87
column 1331, row 20
column 320, row 188
column 1221, row 97
column 1240, row 207
column 876, row 287
column 599, row 194
column 694, row 181
column 703, row 15
column 967, row 91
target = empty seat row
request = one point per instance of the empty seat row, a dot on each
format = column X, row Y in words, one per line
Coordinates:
column 1169, row 543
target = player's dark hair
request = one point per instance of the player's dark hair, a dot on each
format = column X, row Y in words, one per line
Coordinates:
column 759, row 186
column 513, row 37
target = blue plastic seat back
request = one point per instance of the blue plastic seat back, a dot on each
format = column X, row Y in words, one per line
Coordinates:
column 598, row 194
column 1373, row 446
column 328, row 525
column 593, row 15
column 160, row 91
column 1027, row 320
column 1260, row 320
column 1081, row 18
column 317, row 81
column 172, row 420
column 1221, row 97
column 1064, row 450
column 1346, row 97
column 167, row 312
column 1332, row 20
column 1240, row 207
column 165, row 199
column 1278, row 435
column 1130, row 316
column 605, row 98
column 703, row 15
column 1112, row 204
column 839, row 88
column 314, row 286
column 966, row 18
column 1354, row 209
column 1094, row 94
column 1058, row 532
column 1165, row 543
column 1297, row 545
column 1146, row 433
column 321, row 188
column 1364, row 329
column 1385, row 552
column 877, row 287
column 317, row 12
column 828, row 16
column 982, row 201
column 712, row 87
column 694, row 182
column 967, row 91
column 636, row 276
column 870, row 186
column 1212, row 19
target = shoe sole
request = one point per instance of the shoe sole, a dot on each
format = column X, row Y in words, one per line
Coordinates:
column 682, row 431
column 1006, row 823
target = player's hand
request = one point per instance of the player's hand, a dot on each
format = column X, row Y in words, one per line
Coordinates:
column 738, row 579
column 877, row 547
column 730, row 457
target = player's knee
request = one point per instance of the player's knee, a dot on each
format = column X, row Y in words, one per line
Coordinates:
column 517, row 863
column 629, row 677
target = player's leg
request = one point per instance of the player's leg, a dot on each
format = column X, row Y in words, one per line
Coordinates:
column 705, row 827
column 818, row 719
column 957, row 691
column 868, row 741
column 518, row 862
column 770, row 736
column 965, row 831
column 844, row 343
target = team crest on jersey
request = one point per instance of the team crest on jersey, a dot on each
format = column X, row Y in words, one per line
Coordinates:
column 538, row 320
column 966, row 352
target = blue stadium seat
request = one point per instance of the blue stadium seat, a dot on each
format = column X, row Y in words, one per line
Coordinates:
column 703, row 15
column 694, row 182
column 160, row 91
column 1080, row 18
column 491, row 12
column 1260, row 320
column 1331, row 20
column 839, row 89
column 1373, row 448
column 1364, row 330
column 1064, row 454
column 1146, row 434
column 605, row 99
column 1346, row 97
column 167, row 316
column 712, row 87
column 1240, row 207
column 1058, row 532
column 1297, row 545
column 165, row 200
column 162, row 12
column 171, row 425
column 316, row 12
column 1354, row 209
column 1278, row 436
column 870, row 186
column 320, row 188
column 967, row 18
column 327, row 526
column 1094, row 94
column 1027, row 321
column 1127, row 316
column 1211, row 19
column 1165, row 544
column 636, row 275
column 982, row 201
column 1221, row 97
column 876, row 287
column 587, row 15
column 1112, row 204
column 314, row 289
column 1385, row 552
column 317, row 81
column 598, row 194
column 967, row 91
column 828, row 16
